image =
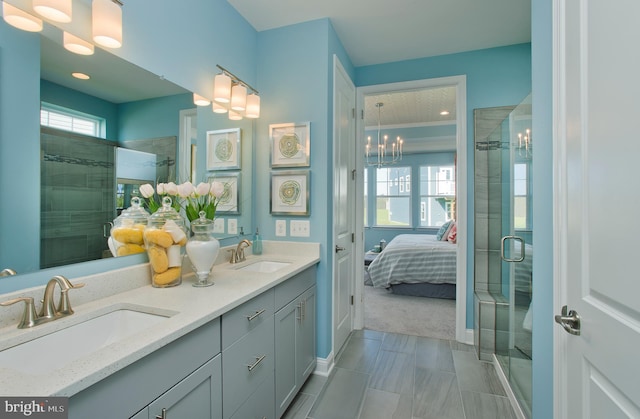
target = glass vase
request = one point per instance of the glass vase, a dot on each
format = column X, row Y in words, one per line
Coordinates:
column 165, row 237
column 202, row 249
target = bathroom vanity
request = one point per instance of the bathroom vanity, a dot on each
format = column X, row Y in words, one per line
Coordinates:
column 241, row 348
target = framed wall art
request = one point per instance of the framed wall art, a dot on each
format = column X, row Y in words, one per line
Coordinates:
column 223, row 149
column 290, row 144
column 229, row 202
column 290, row 192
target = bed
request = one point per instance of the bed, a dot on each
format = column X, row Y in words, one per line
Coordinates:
column 416, row 264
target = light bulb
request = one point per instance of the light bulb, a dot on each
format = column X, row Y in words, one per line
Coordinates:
column 238, row 97
column 253, row 106
column 222, row 88
column 20, row 19
column 107, row 23
column 77, row 45
column 56, row 10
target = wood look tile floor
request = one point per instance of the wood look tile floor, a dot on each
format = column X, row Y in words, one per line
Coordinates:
column 391, row 376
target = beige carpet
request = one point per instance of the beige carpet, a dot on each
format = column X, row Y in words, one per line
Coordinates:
column 418, row 316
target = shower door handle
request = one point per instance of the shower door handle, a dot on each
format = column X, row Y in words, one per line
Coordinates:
column 502, row 247
column 569, row 321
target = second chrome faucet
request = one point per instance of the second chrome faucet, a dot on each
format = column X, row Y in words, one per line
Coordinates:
column 49, row 310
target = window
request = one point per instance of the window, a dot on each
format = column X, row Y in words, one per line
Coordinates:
column 393, row 197
column 520, row 195
column 437, row 195
column 69, row 120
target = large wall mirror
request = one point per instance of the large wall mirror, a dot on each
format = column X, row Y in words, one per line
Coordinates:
column 81, row 189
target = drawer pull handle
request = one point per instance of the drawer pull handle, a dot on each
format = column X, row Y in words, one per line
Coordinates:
column 255, row 364
column 299, row 309
column 164, row 414
column 256, row 314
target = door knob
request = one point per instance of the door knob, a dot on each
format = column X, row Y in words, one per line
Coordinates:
column 339, row 248
column 569, row 321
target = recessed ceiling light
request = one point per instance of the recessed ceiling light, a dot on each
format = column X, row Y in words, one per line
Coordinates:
column 444, row 113
column 81, row 76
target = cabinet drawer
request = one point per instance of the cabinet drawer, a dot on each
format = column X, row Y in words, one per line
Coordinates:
column 259, row 405
column 243, row 319
column 294, row 286
column 245, row 365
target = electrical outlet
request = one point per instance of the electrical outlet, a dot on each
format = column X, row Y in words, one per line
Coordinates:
column 281, row 228
column 232, row 226
column 300, row 228
column 218, row 225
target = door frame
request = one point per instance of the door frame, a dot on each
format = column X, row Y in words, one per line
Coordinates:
column 339, row 68
column 462, row 333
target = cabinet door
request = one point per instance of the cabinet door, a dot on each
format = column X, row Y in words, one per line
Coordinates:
column 198, row 396
column 306, row 337
column 285, row 342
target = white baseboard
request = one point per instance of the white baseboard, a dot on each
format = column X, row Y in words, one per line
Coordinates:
column 468, row 337
column 324, row 366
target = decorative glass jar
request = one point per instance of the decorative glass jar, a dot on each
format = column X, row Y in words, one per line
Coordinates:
column 202, row 249
column 164, row 237
column 126, row 234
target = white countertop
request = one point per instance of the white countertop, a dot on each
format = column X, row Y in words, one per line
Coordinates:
column 193, row 306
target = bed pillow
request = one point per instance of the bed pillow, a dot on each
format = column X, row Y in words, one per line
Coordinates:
column 445, row 236
column 453, row 233
column 443, row 230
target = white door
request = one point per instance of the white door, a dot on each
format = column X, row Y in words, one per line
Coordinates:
column 597, row 220
column 344, row 204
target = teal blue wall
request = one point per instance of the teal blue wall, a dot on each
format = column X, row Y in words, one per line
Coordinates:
column 293, row 80
column 19, row 147
column 152, row 118
column 543, row 309
column 495, row 77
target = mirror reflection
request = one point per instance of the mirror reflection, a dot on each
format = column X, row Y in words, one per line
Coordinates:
column 101, row 138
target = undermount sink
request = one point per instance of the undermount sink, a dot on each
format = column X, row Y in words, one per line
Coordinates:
column 265, row 266
column 50, row 352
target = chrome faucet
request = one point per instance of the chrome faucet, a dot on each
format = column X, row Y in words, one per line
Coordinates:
column 49, row 311
column 237, row 254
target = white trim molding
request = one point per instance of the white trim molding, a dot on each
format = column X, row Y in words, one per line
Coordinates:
column 324, row 366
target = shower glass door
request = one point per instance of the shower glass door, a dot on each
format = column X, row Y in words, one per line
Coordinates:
column 513, row 293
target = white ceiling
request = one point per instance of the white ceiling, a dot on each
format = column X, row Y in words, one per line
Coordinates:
column 381, row 31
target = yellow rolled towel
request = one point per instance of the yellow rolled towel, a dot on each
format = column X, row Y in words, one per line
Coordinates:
column 130, row 249
column 159, row 237
column 158, row 259
column 167, row 277
column 127, row 235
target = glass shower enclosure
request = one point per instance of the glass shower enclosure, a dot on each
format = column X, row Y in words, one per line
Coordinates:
column 503, row 247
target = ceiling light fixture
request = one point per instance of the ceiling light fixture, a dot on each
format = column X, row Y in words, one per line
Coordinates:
column 384, row 155
column 20, row 19
column 106, row 19
column 81, row 76
column 230, row 94
column 76, row 45
column 200, row 100
column 56, row 10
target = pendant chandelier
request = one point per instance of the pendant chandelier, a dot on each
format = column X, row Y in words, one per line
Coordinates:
column 385, row 152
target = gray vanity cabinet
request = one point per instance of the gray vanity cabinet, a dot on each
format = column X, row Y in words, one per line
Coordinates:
column 248, row 359
column 197, row 396
column 294, row 337
column 187, row 367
